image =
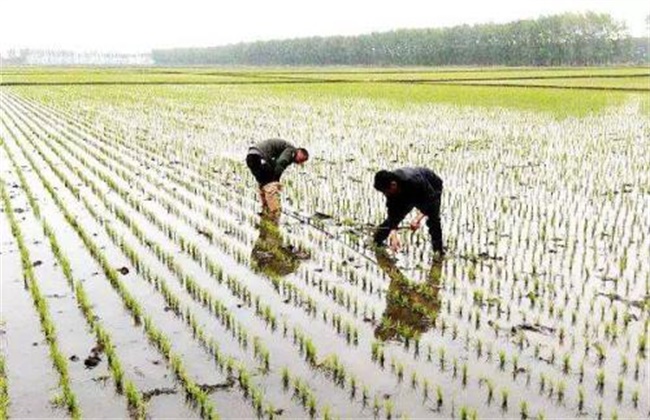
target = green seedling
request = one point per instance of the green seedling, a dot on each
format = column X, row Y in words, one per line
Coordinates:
column 388, row 408
column 504, row 399
column 286, row 378
column 600, row 380
column 502, row 359
column 523, row 410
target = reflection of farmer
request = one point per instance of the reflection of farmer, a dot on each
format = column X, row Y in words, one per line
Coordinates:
column 270, row 255
column 411, row 307
column 267, row 161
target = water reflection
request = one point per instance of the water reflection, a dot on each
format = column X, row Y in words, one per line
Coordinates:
column 271, row 255
column 411, row 307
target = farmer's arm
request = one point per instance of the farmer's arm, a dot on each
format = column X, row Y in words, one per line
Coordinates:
column 396, row 213
column 284, row 160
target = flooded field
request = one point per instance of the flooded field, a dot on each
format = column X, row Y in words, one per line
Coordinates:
column 138, row 280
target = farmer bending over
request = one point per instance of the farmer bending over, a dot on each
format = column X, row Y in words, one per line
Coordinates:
column 267, row 161
column 406, row 188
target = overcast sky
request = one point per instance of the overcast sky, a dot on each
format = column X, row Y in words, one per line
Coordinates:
column 139, row 25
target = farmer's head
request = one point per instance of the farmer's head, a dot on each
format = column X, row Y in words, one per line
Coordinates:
column 302, row 156
column 387, row 183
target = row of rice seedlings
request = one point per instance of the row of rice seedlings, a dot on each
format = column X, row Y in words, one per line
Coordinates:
column 68, row 399
column 310, row 348
column 189, row 203
column 348, row 301
column 350, row 332
column 303, row 394
column 134, row 397
column 194, row 392
column 4, row 389
column 201, row 295
column 193, row 321
column 565, row 366
column 112, row 275
column 211, row 344
column 304, row 343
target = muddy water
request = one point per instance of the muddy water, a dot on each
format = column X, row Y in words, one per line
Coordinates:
column 142, row 363
column 73, row 337
column 325, row 333
column 202, row 362
column 32, row 380
column 458, row 328
column 186, row 346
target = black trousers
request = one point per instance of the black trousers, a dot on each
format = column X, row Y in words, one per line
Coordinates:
column 261, row 170
column 432, row 211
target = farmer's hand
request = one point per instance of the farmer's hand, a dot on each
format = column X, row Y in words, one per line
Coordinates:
column 394, row 242
column 415, row 224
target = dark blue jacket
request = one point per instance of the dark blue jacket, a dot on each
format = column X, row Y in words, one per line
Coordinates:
column 418, row 187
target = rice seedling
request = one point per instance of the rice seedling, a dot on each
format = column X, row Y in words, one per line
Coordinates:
column 4, row 393
column 502, row 359
column 561, row 388
column 600, row 380
column 635, row 398
column 523, row 410
column 504, row 399
column 581, row 399
column 388, row 408
column 464, row 374
column 566, row 363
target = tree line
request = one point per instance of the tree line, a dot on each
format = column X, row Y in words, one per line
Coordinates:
column 560, row 40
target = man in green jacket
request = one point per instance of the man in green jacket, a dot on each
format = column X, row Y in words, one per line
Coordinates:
column 267, row 160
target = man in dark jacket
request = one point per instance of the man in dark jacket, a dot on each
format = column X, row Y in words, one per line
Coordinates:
column 267, row 160
column 406, row 188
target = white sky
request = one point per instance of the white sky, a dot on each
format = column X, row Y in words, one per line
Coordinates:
column 139, row 25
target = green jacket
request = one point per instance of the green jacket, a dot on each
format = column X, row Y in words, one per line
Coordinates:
column 276, row 152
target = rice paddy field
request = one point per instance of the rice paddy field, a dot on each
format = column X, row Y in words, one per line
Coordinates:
column 138, row 281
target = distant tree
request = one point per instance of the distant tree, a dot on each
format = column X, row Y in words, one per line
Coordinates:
column 566, row 39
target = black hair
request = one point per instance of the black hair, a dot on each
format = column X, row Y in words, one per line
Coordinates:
column 383, row 179
column 303, row 151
